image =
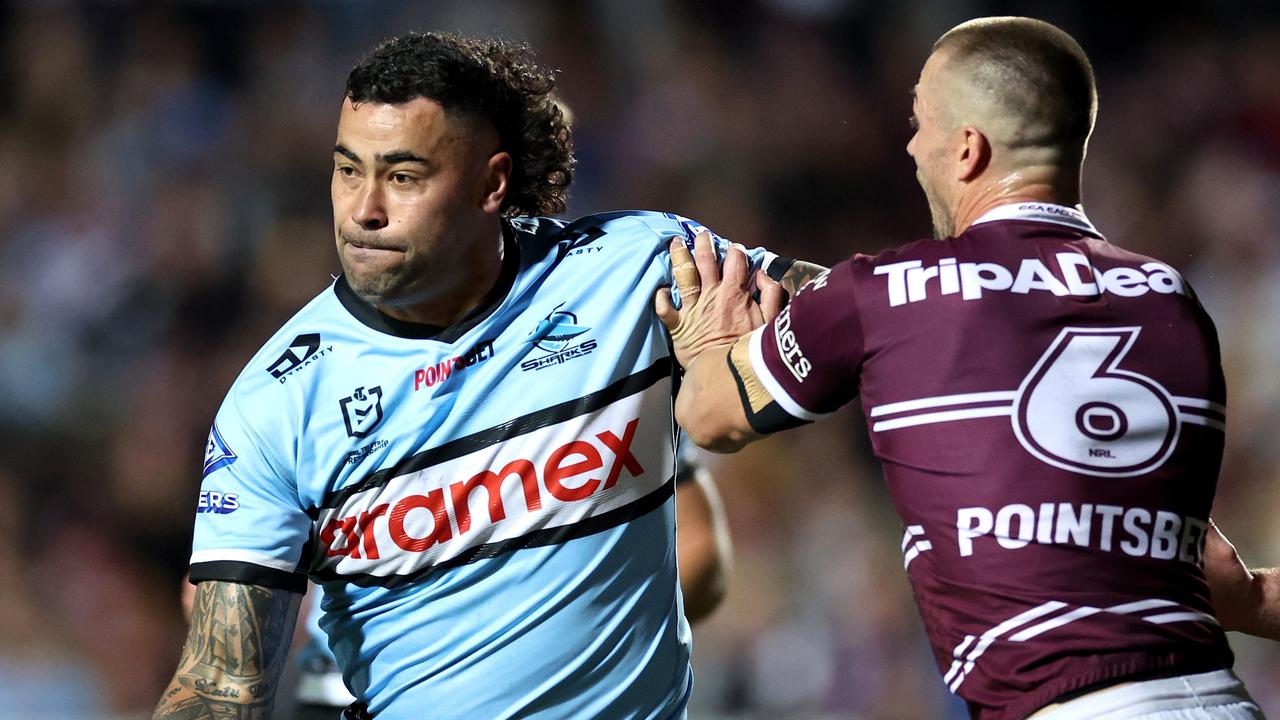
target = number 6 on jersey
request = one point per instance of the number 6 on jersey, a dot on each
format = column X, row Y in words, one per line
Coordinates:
column 1077, row 411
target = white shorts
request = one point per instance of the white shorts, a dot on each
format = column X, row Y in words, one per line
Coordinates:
column 1217, row 695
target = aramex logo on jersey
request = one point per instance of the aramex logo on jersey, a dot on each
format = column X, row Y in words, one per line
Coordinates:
column 552, row 477
column 909, row 280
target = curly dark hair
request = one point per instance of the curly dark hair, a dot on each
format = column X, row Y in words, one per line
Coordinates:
column 492, row 79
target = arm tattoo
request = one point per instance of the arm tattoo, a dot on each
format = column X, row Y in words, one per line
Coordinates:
column 798, row 274
column 235, row 648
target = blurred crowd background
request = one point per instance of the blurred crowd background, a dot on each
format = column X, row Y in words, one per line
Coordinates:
column 164, row 206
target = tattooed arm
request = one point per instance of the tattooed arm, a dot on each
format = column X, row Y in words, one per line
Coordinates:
column 236, row 645
column 797, row 275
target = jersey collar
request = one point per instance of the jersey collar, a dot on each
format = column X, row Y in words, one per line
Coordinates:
column 1072, row 217
column 371, row 317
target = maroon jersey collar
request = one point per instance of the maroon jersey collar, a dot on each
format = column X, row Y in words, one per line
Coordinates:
column 1072, row 217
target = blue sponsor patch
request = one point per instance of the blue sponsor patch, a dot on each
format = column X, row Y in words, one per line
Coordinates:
column 216, row 453
column 212, row 501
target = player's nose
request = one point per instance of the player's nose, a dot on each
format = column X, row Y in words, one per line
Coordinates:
column 370, row 211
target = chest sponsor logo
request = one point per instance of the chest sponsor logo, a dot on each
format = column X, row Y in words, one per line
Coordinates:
column 556, row 336
column 1065, row 274
column 302, row 352
column 433, row 375
column 219, row 503
column 217, row 454
column 1134, row 531
column 549, row 478
column 362, row 411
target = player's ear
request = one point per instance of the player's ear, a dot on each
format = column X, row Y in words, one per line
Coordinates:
column 973, row 154
column 497, row 172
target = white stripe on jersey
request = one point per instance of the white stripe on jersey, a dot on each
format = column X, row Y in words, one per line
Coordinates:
column 1200, row 403
column 245, row 556
column 941, row 417
column 962, row 665
column 943, row 400
column 997, row 403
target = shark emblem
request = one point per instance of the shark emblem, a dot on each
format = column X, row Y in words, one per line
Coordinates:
column 555, row 331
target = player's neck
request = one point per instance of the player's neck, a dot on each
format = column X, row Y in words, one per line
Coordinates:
column 1015, row 187
column 457, row 290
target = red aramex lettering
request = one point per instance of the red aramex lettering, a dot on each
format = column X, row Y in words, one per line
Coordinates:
column 345, row 537
column 622, row 450
column 440, row 532
column 350, row 535
column 554, row 472
column 366, row 530
column 492, row 484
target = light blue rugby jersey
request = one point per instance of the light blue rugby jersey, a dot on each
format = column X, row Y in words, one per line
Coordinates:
column 488, row 505
column 320, row 678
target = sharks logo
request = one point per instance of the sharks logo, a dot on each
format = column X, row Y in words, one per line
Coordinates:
column 556, row 335
column 555, row 331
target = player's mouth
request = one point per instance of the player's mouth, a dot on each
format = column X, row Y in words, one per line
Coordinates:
column 362, row 249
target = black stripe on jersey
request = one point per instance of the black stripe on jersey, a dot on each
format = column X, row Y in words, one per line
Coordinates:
column 468, row 444
column 537, row 538
column 248, row 574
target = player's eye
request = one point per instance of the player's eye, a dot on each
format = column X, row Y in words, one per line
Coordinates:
column 345, row 171
column 401, row 178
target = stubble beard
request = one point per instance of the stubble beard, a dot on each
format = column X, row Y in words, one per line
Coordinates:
column 383, row 286
column 943, row 223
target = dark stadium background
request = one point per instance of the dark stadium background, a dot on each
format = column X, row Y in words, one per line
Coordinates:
column 164, row 206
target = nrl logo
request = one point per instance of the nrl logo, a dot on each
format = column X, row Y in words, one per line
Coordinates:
column 362, row 411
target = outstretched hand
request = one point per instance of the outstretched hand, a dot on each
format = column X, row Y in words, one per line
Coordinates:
column 716, row 309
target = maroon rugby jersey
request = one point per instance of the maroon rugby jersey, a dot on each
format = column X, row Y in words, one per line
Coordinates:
column 1049, row 410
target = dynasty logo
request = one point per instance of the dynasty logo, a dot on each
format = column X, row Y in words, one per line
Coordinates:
column 304, row 350
column 555, row 335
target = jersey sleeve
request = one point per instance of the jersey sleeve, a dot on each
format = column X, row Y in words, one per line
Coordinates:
column 775, row 266
column 250, row 525
column 808, row 359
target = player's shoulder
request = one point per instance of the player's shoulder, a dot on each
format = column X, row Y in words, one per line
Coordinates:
column 616, row 226
column 299, row 345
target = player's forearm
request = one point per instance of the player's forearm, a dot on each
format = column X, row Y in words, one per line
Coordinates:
column 800, row 273
column 183, row 703
column 1262, row 617
column 708, row 406
column 230, row 665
